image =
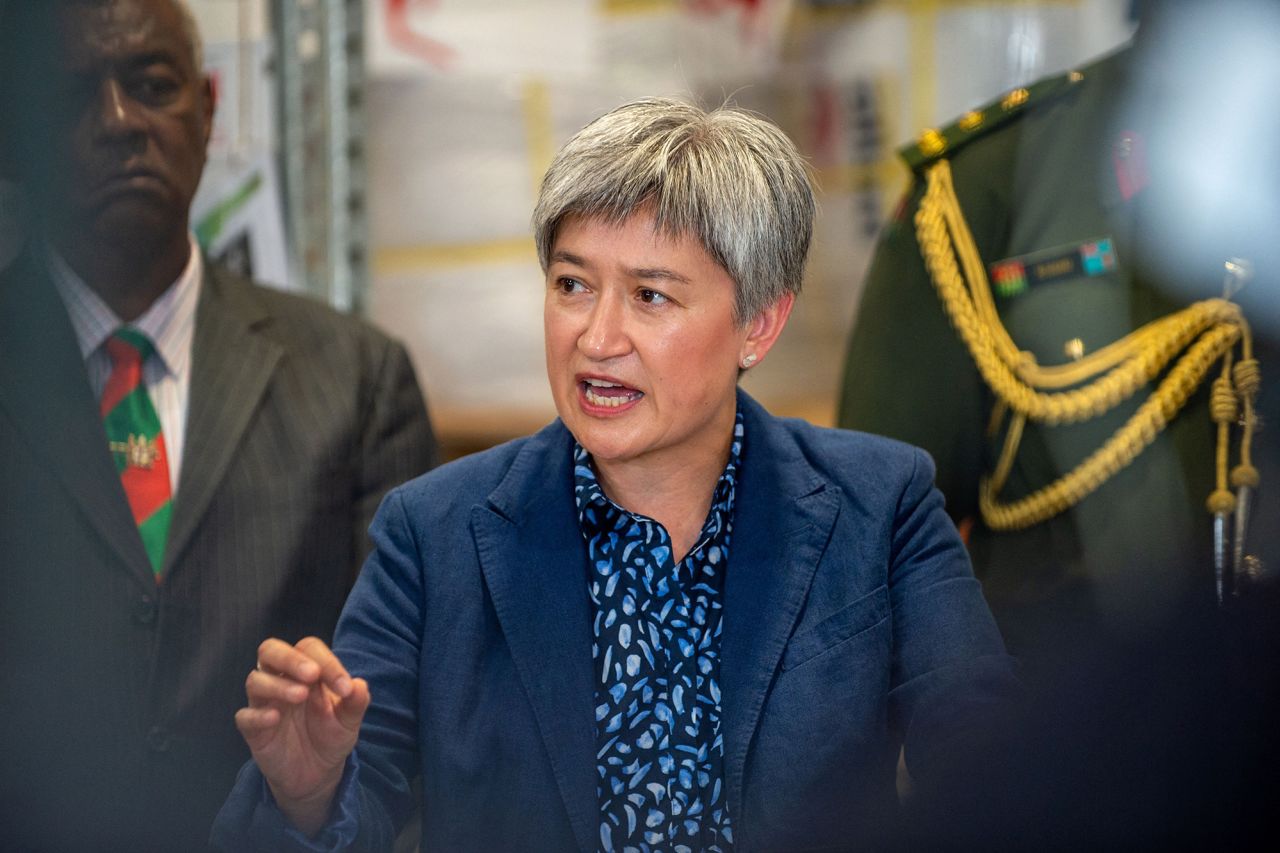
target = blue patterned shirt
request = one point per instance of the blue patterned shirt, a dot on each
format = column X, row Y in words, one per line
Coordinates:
column 659, row 746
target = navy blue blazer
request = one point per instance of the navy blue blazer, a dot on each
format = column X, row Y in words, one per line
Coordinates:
column 852, row 624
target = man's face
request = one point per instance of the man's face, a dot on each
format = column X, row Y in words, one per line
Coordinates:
column 129, row 124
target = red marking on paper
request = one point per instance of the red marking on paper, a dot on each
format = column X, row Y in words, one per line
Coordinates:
column 402, row 34
column 717, row 5
column 751, row 12
column 826, row 124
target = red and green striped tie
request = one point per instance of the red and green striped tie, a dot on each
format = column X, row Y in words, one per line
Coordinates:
column 137, row 445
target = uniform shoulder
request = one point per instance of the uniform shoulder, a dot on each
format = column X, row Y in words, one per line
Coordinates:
column 934, row 144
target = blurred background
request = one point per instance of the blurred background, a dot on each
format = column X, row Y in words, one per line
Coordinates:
column 384, row 155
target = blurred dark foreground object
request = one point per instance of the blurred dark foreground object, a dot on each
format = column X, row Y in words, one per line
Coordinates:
column 1168, row 742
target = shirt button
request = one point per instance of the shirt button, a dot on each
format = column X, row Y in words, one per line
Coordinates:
column 144, row 609
column 159, row 739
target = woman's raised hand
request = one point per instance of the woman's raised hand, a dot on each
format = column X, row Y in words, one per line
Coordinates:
column 302, row 722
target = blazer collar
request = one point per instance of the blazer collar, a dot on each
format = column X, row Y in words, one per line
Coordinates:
column 232, row 365
column 783, row 520
column 534, row 562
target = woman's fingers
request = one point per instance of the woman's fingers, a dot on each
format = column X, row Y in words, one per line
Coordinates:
column 291, row 674
column 332, row 673
column 308, row 661
column 308, row 678
column 350, row 710
column 276, row 657
column 252, row 721
column 262, row 688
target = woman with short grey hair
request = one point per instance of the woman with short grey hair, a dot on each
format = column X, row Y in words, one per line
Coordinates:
column 728, row 177
column 667, row 621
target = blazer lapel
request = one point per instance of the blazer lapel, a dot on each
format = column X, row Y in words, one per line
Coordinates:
column 232, row 365
column 534, row 563
column 45, row 392
column 783, row 519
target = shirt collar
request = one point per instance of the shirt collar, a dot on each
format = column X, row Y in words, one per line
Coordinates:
column 588, row 494
column 169, row 322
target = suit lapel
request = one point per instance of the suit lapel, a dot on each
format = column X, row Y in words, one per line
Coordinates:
column 534, row 563
column 232, row 365
column 783, row 518
column 44, row 390
column 532, row 556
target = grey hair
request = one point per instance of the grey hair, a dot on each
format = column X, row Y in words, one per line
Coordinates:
column 729, row 177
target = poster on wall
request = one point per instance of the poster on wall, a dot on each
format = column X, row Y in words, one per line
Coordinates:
column 469, row 100
column 433, row 37
column 237, row 214
column 237, row 219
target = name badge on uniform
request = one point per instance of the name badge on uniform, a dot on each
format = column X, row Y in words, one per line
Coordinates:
column 1012, row 276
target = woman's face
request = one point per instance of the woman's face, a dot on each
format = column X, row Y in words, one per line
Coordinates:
column 642, row 346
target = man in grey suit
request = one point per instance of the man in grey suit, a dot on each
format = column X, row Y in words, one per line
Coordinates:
column 173, row 492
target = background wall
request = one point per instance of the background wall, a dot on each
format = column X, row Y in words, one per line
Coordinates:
column 468, row 100
column 465, row 102
column 238, row 213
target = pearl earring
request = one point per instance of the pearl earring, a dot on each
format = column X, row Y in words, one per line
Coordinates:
column 749, row 360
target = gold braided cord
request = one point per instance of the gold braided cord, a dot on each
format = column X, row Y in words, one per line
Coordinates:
column 1223, row 408
column 1247, row 377
column 1012, row 374
column 1011, row 441
column 1203, row 333
column 1135, row 344
column 1118, row 451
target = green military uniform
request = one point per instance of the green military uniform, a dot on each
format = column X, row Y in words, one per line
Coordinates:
column 1049, row 178
column 1151, row 716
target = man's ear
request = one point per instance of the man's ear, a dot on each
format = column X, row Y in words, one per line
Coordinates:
column 209, row 93
column 764, row 329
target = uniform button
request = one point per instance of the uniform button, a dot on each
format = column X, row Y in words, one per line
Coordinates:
column 159, row 739
column 144, row 609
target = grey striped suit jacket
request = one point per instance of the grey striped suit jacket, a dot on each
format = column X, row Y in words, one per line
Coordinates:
column 116, row 713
